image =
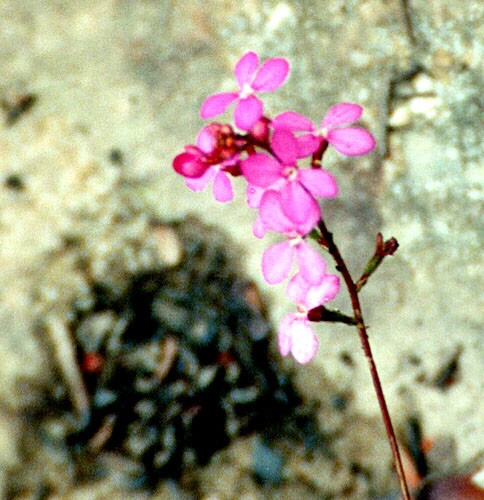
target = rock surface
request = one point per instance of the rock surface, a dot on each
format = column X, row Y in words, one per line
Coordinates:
column 114, row 89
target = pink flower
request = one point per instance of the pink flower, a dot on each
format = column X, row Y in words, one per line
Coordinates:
column 216, row 153
column 350, row 141
column 274, row 218
column 298, row 187
column 308, row 295
column 278, row 259
column 251, row 78
column 222, row 187
column 191, row 163
column 296, row 336
column 254, row 195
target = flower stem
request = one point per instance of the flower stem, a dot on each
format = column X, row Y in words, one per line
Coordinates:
column 328, row 242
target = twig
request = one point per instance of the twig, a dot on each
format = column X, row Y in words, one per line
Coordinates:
column 65, row 356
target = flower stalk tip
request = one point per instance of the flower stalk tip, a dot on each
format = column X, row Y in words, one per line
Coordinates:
column 382, row 250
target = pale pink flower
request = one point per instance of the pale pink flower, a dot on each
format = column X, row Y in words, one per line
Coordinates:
column 296, row 336
column 350, row 141
column 298, row 187
column 254, row 195
column 309, row 295
column 251, row 78
column 278, row 259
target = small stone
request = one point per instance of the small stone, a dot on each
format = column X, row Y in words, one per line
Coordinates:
column 423, row 84
column 146, row 409
column 103, row 398
column 400, row 117
column 426, row 106
column 140, row 439
column 268, row 464
column 14, row 182
column 244, row 396
column 168, row 245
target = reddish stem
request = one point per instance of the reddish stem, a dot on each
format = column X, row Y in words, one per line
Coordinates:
column 328, row 242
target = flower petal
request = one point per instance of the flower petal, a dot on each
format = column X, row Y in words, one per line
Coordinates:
column 311, row 265
column 277, row 262
column 254, row 195
column 271, row 75
column 259, row 229
column 307, row 144
column 284, row 335
column 299, row 206
column 285, row 146
column 297, row 289
column 324, row 292
column 217, row 104
column 271, row 214
column 261, row 170
column 245, row 68
column 206, row 141
column 340, row 114
column 247, row 112
column 189, row 165
column 293, row 121
column 318, row 182
column 351, row 141
column 200, row 183
column 304, row 343
column 222, row 187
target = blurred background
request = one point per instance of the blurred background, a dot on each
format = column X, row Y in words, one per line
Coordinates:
column 97, row 97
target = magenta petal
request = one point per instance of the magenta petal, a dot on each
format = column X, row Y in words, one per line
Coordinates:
column 271, row 214
column 324, row 292
column 307, row 144
column 351, row 141
column 200, row 183
column 217, row 104
column 318, row 182
column 299, row 206
column 284, row 334
column 271, row 75
column 254, row 195
column 261, row 170
column 222, row 187
column 245, row 68
column 297, row 289
column 247, row 112
column 277, row 262
column 311, row 265
column 259, row 229
column 304, row 343
column 193, row 150
column 293, row 121
column 206, row 141
column 189, row 165
column 285, row 146
column 342, row 113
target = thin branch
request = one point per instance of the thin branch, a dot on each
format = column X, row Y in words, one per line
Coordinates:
column 327, row 240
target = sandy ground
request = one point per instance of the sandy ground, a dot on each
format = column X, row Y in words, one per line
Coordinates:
column 116, row 86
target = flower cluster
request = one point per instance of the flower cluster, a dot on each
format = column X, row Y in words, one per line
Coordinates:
column 267, row 153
